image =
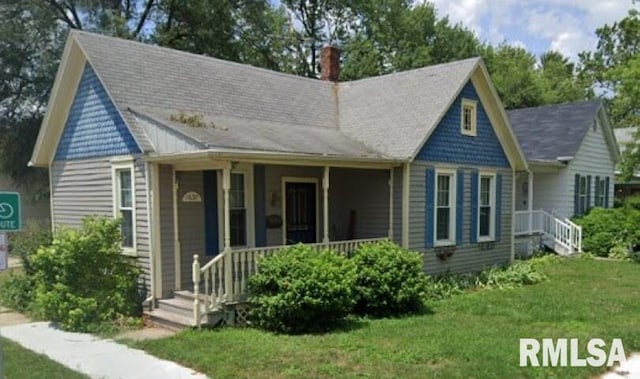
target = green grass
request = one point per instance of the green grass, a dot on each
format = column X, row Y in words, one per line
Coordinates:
column 472, row 335
column 25, row 364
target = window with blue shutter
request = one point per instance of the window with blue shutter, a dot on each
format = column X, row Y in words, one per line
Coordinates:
column 460, row 208
column 430, row 189
column 473, row 232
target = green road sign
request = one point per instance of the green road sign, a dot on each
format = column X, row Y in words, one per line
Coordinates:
column 10, row 220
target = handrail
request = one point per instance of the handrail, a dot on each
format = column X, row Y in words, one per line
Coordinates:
column 564, row 232
column 225, row 277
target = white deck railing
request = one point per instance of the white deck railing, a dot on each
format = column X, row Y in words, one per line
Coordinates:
column 564, row 232
column 224, row 279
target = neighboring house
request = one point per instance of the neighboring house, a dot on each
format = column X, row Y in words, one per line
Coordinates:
column 625, row 136
column 572, row 153
column 230, row 162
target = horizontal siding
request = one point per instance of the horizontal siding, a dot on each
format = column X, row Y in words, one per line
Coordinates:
column 165, row 140
column 167, row 240
column 593, row 158
column 367, row 193
column 467, row 256
column 82, row 188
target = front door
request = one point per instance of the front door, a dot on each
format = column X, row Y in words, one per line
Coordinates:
column 300, row 212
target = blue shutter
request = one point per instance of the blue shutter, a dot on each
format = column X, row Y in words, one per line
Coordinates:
column 576, row 196
column 498, row 206
column 473, row 231
column 430, row 198
column 596, row 191
column 460, row 208
column 588, row 193
column 606, row 193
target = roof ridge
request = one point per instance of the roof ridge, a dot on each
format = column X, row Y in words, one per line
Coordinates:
column 202, row 57
column 576, row 102
column 413, row 70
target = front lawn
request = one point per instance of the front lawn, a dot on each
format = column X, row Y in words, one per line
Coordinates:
column 25, row 364
column 471, row 335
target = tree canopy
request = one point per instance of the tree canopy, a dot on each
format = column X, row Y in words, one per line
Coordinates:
column 376, row 37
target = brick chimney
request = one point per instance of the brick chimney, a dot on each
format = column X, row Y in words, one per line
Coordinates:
column 330, row 63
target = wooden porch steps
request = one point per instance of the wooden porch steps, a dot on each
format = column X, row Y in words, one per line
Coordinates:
column 177, row 313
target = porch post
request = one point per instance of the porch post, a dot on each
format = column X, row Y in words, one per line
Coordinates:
column 325, row 204
column 530, row 201
column 228, row 272
column 391, row 204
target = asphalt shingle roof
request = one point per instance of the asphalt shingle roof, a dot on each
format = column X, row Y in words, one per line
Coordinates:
column 387, row 116
column 548, row 132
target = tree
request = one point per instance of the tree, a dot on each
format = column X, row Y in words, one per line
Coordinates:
column 394, row 36
column 612, row 67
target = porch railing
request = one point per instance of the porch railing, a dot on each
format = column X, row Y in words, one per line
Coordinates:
column 224, row 279
column 564, row 232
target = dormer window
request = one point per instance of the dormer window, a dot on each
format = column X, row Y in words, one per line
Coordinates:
column 468, row 117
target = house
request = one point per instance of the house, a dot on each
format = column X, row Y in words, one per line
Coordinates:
column 571, row 152
column 212, row 164
column 625, row 136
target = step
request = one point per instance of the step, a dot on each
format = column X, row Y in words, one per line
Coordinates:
column 178, row 306
column 170, row 320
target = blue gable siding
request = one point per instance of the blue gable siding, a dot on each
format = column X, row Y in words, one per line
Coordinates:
column 446, row 144
column 94, row 127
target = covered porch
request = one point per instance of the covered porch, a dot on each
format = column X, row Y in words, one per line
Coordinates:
column 213, row 218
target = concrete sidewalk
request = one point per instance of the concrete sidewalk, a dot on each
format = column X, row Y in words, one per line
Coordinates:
column 629, row 370
column 93, row 356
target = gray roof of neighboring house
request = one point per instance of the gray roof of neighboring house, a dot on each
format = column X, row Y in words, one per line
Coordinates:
column 548, row 132
column 387, row 117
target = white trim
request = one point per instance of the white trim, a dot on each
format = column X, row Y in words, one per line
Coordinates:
column 176, row 232
column 406, row 184
column 150, row 232
column 492, row 204
column 117, row 166
column 298, row 179
column 156, row 245
column 390, row 205
column 453, row 187
column 474, row 117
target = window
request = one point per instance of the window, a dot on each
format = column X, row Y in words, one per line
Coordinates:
column 468, row 117
column 582, row 195
column 238, row 210
column 124, row 203
column 445, row 208
column 602, row 192
column 486, row 205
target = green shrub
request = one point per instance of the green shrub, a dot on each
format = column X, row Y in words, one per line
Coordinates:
column 603, row 228
column 25, row 243
column 302, row 290
column 82, row 279
column 518, row 274
column 390, row 281
column 17, row 292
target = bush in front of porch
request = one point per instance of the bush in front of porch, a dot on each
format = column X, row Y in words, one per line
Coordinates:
column 302, row 290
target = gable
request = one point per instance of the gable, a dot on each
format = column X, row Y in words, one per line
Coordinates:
column 448, row 145
column 94, row 127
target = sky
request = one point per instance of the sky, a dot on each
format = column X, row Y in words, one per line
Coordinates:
column 567, row 26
